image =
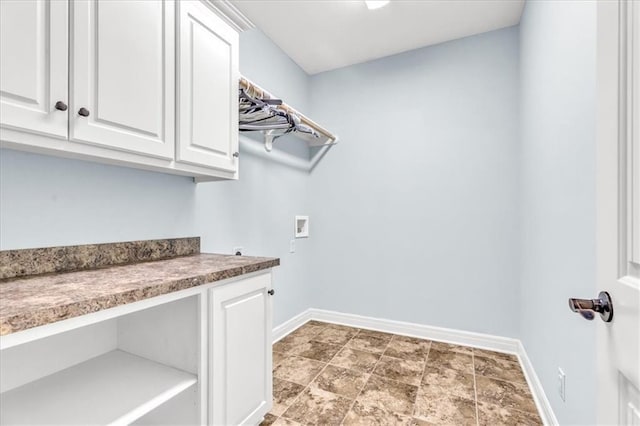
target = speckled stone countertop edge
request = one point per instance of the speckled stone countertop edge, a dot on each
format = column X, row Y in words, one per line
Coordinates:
column 31, row 319
column 51, row 260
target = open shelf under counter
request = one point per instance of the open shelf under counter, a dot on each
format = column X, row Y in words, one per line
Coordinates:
column 115, row 388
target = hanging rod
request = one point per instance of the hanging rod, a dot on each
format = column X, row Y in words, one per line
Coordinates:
column 327, row 138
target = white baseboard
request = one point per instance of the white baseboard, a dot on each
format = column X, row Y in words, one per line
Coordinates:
column 448, row 335
column 290, row 325
column 544, row 407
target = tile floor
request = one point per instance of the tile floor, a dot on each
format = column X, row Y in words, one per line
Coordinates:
column 332, row 375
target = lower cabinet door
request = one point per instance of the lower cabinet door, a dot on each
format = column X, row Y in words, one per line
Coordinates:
column 240, row 352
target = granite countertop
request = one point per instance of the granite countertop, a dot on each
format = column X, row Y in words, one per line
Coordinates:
column 32, row 301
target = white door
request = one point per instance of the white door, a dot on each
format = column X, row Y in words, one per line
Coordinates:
column 123, row 77
column 618, row 180
column 207, row 88
column 240, row 352
column 33, row 66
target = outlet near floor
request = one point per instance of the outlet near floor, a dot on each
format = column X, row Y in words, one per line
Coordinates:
column 562, row 378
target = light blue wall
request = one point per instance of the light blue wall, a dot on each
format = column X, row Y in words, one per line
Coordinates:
column 257, row 211
column 264, row 63
column 46, row 201
column 437, row 207
column 557, row 51
column 396, row 194
column 415, row 211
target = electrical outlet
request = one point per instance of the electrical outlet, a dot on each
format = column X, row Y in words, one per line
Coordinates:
column 562, row 379
column 237, row 250
column 292, row 246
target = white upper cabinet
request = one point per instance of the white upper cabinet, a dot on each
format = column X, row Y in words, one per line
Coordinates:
column 122, row 76
column 33, row 73
column 109, row 81
column 208, row 88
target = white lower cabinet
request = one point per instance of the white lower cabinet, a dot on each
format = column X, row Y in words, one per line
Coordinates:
column 200, row 356
column 240, row 353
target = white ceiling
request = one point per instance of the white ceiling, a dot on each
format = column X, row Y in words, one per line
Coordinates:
column 321, row 35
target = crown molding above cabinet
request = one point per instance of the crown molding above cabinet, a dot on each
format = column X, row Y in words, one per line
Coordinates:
column 232, row 15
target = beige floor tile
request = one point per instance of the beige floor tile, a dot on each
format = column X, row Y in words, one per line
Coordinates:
column 445, row 409
column 285, row 422
column 492, row 354
column 268, row 420
column 365, row 415
column 277, row 358
column 499, row 368
column 450, row 359
column 408, row 348
column 284, row 393
column 491, row 414
column 402, row 390
column 341, row 381
column 342, row 327
column 356, row 360
column 446, row 380
column 287, row 343
column 319, row 351
column 419, row 422
column 448, row 347
column 370, row 341
column 315, row 406
column 507, row 395
column 390, row 395
column 402, row 370
column 374, row 333
column 298, row 370
column 336, row 336
column 307, row 330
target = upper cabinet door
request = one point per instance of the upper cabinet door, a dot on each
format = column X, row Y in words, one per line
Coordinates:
column 33, row 66
column 123, row 75
column 208, row 88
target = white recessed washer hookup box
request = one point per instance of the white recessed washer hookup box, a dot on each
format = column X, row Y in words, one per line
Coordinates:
column 302, row 226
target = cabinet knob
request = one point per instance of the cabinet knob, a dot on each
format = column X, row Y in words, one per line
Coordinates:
column 236, row 154
column 83, row 112
column 61, row 106
column 271, row 292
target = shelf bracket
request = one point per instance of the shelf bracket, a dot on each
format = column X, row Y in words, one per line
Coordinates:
column 269, row 137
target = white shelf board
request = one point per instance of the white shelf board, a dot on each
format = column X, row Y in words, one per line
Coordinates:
column 115, row 389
